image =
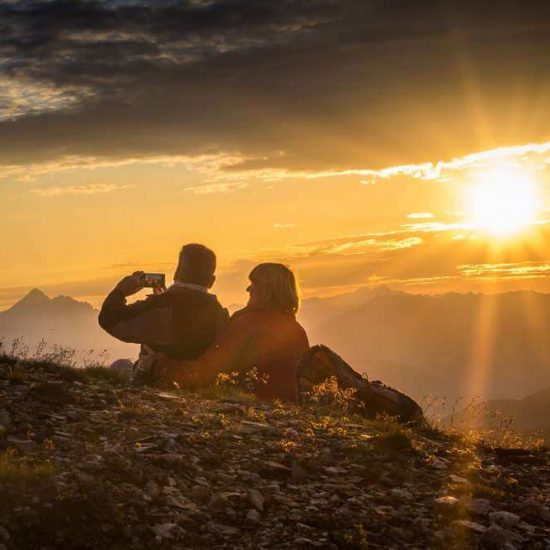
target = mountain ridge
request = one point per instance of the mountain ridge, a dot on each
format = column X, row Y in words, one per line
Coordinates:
column 422, row 344
column 36, row 299
column 60, row 321
column 439, row 334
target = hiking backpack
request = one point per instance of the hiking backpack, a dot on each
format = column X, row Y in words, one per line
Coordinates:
column 319, row 363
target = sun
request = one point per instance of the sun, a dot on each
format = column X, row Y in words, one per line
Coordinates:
column 503, row 201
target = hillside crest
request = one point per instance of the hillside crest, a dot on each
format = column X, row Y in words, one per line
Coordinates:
column 86, row 463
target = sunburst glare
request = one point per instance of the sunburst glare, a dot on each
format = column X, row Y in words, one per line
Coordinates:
column 503, row 201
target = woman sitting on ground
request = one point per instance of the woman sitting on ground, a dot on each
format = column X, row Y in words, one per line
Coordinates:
column 264, row 336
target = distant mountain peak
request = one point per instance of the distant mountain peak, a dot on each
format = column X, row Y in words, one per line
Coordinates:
column 35, row 297
column 37, row 302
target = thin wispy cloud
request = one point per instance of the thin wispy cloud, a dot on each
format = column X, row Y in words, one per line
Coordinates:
column 90, row 189
column 432, row 227
column 210, row 188
column 403, row 243
column 209, row 165
column 517, row 270
column 537, row 153
column 284, row 225
column 223, row 173
column 420, row 215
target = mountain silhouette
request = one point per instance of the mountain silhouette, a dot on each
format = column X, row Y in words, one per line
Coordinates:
column 61, row 321
column 37, row 303
column 35, row 298
column 427, row 344
column 421, row 344
column 317, row 311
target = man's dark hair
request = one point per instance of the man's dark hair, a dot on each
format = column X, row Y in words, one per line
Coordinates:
column 197, row 264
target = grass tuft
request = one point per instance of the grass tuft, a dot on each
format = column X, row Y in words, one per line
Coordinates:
column 131, row 409
column 230, row 385
column 14, row 469
column 395, row 438
column 99, row 373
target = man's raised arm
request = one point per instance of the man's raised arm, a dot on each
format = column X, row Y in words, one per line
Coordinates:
column 142, row 322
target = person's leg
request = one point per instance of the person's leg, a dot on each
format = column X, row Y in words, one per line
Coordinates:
column 143, row 367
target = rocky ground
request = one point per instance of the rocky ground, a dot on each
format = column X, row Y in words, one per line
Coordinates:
column 86, row 463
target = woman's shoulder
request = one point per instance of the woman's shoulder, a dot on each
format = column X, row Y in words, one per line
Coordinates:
column 262, row 313
column 266, row 318
column 249, row 313
column 246, row 316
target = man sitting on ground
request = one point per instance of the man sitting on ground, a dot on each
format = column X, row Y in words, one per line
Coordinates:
column 181, row 322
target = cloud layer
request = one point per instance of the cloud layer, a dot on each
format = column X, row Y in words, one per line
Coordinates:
column 302, row 84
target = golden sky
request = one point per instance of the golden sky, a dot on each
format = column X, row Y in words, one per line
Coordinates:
column 76, row 230
column 344, row 138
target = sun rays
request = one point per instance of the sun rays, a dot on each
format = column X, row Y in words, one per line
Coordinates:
column 503, row 201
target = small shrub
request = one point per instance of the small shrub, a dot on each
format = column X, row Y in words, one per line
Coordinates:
column 226, row 386
column 356, row 537
column 17, row 348
column 53, row 354
column 17, row 374
column 135, row 409
column 328, row 397
column 394, row 437
column 69, row 374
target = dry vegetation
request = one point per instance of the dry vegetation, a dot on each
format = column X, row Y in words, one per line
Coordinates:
column 464, row 420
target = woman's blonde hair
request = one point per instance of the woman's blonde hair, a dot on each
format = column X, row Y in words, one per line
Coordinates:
column 277, row 286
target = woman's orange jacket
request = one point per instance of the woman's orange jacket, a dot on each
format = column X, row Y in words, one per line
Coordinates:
column 268, row 340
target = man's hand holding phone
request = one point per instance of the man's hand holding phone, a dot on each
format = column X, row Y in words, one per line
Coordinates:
column 156, row 281
column 136, row 281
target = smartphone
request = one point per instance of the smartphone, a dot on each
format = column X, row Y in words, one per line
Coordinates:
column 154, row 280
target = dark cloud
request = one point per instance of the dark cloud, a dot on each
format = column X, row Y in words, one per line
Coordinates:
column 295, row 84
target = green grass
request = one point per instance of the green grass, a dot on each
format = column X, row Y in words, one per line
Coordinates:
column 217, row 392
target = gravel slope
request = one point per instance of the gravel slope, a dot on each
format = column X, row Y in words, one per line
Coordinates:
column 85, row 463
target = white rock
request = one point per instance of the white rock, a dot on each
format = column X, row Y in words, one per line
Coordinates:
column 446, row 502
